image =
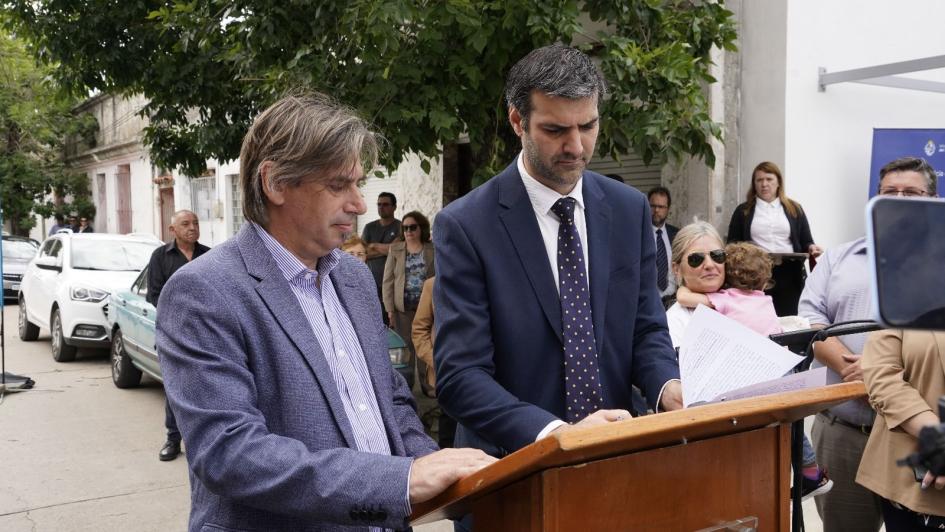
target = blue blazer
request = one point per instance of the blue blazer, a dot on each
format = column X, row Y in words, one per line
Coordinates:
column 267, row 439
column 499, row 352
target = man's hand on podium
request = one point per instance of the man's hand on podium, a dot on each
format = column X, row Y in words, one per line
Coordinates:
column 435, row 472
column 601, row 417
column 672, row 396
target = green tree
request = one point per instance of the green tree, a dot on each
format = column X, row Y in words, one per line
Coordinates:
column 424, row 71
column 35, row 122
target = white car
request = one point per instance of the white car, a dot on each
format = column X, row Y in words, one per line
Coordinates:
column 65, row 288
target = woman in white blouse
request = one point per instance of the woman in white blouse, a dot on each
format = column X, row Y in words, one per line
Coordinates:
column 776, row 224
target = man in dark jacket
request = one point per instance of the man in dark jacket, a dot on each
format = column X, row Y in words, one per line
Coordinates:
column 164, row 262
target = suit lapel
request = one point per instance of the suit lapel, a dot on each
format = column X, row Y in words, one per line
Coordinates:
column 281, row 302
column 522, row 227
column 597, row 214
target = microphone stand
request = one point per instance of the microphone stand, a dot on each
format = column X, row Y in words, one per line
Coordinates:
column 802, row 342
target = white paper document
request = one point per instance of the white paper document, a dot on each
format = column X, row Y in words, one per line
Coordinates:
column 719, row 355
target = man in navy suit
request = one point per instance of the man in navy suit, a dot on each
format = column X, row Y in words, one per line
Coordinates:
column 525, row 344
column 274, row 355
column 663, row 234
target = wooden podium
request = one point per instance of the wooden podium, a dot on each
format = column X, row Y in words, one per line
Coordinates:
column 684, row 470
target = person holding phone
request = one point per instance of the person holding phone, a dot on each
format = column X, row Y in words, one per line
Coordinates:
column 838, row 291
column 903, row 372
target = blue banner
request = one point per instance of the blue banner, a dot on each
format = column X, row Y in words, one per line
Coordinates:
column 891, row 144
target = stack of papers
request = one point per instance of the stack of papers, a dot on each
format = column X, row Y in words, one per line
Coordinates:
column 721, row 359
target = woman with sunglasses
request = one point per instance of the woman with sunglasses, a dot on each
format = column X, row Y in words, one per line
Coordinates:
column 699, row 265
column 776, row 224
column 409, row 264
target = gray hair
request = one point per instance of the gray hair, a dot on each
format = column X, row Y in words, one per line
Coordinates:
column 688, row 235
column 177, row 215
column 912, row 164
column 555, row 70
column 302, row 137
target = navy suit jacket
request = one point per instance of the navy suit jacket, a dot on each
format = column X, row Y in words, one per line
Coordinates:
column 267, row 438
column 499, row 352
column 671, row 231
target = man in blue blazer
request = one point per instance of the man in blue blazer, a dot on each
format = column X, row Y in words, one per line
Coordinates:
column 274, row 355
column 525, row 345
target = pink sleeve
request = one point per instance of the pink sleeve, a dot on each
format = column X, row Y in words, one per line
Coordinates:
column 719, row 301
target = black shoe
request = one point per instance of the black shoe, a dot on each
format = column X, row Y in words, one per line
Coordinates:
column 170, row 451
column 812, row 488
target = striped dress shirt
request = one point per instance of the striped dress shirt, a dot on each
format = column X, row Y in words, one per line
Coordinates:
column 336, row 336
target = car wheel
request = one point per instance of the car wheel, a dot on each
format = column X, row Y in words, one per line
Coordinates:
column 61, row 351
column 124, row 373
column 28, row 331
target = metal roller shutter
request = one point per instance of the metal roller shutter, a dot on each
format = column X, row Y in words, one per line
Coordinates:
column 631, row 168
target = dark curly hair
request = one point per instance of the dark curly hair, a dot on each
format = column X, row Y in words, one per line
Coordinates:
column 747, row 266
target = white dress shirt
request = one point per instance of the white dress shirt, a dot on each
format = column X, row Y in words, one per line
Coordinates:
column 770, row 229
column 670, row 278
column 542, row 199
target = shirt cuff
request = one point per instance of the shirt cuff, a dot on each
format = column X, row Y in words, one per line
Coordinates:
column 407, row 496
column 549, row 427
column 659, row 399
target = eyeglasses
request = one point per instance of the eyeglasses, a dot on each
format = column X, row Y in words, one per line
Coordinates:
column 697, row 258
column 907, row 192
column 385, row 204
column 411, row 227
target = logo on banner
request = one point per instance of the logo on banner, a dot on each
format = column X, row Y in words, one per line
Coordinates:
column 929, row 148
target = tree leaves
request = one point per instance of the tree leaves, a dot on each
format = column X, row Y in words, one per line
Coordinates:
column 424, row 72
column 35, row 121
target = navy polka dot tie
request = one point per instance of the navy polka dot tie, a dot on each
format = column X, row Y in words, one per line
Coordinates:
column 583, row 394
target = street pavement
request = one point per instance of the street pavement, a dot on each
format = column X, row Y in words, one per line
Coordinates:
column 79, row 454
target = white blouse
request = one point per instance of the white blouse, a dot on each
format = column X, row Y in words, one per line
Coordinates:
column 770, row 229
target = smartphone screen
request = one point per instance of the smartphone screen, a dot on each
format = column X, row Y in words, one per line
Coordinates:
column 906, row 243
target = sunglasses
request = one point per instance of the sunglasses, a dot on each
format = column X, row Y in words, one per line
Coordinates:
column 411, row 227
column 696, row 259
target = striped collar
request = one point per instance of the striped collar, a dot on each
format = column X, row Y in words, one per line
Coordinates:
column 290, row 266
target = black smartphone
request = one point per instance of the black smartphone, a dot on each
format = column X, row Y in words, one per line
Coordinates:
column 919, row 472
column 906, row 247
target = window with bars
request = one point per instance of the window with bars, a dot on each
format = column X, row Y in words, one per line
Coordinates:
column 236, row 203
column 203, row 194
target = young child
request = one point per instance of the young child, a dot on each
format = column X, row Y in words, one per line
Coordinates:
column 742, row 298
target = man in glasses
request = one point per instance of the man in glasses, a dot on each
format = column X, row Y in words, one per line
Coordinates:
column 838, row 291
column 546, row 299
column 378, row 235
column 274, row 357
column 663, row 233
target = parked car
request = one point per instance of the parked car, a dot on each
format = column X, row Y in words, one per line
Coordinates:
column 66, row 287
column 134, row 345
column 17, row 253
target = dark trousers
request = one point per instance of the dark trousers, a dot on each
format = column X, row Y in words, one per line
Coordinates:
column 789, row 278
column 173, row 433
column 902, row 520
column 447, row 431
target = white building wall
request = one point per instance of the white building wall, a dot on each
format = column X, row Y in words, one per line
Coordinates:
column 828, row 135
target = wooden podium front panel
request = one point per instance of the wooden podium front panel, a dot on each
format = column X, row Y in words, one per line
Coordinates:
column 683, row 487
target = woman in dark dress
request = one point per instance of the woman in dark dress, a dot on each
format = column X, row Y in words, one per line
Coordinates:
column 777, row 224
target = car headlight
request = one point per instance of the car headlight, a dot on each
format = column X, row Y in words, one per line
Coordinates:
column 399, row 356
column 83, row 293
